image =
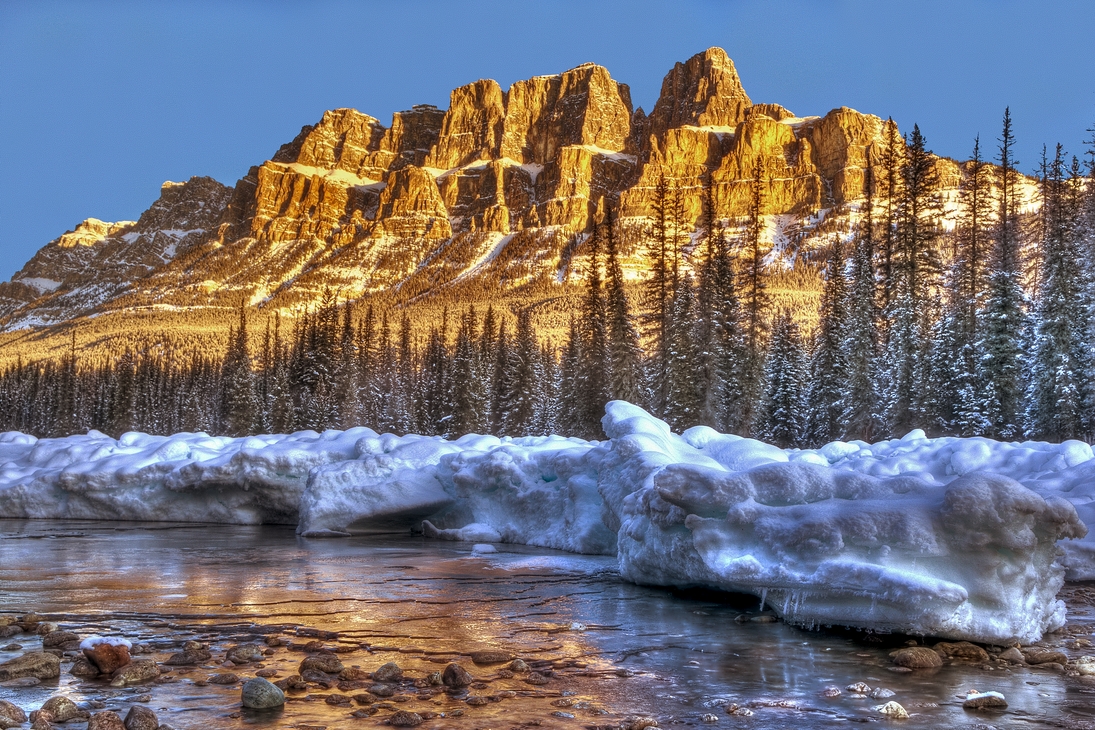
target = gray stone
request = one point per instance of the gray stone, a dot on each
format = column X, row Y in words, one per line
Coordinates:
column 259, row 694
column 36, row 664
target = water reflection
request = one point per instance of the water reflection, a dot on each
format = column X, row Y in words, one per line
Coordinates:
column 629, row 649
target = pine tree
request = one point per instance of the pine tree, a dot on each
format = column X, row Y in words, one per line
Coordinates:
column 754, row 302
column 469, row 387
column 916, row 267
column 624, row 351
column 1059, row 361
column 240, row 409
column 683, row 386
column 861, row 412
column 785, row 411
column 829, row 364
column 1005, row 312
column 282, row 416
column 596, row 358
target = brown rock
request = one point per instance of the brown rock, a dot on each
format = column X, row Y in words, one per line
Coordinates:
column 11, row 713
column 58, row 638
column 491, row 657
column 963, row 650
column 389, row 672
column 916, row 657
column 141, row 718
column 456, row 676
column 39, row 665
column 188, row 657
column 108, row 658
column 986, row 701
column 137, row 671
column 244, row 654
column 105, row 720
column 84, row 669
column 63, row 709
column 40, row 720
column 1012, row 656
column 402, row 718
column 1041, row 656
column 353, row 674
column 327, row 663
column 227, row 678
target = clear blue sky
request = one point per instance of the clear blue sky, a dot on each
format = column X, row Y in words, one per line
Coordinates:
column 100, row 102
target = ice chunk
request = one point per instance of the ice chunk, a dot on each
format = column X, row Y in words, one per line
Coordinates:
column 974, row 559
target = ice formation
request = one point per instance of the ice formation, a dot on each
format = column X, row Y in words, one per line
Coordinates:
column 948, row 537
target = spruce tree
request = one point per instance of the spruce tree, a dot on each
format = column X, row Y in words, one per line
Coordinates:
column 240, row 410
column 754, row 302
column 1001, row 367
column 624, row 351
column 829, row 364
column 785, row 411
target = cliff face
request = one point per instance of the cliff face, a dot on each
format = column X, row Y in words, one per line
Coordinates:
column 501, row 181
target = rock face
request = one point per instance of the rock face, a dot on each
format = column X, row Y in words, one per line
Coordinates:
column 496, row 187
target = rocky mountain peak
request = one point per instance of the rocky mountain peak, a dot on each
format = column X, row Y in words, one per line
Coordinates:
column 704, row 91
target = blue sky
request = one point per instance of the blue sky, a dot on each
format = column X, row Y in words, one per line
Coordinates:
column 100, row 102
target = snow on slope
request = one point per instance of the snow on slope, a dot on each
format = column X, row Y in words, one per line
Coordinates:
column 946, row 537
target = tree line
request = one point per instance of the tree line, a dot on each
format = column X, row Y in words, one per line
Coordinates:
column 987, row 328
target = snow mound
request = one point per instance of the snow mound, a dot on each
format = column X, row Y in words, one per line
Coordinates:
column 92, row 641
column 948, row 537
column 973, row 559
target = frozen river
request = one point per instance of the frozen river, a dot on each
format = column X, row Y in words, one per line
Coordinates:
column 608, row 651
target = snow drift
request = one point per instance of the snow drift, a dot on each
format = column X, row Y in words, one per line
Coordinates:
column 948, row 537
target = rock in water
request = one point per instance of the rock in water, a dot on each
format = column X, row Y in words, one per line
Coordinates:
column 1042, row 656
column 141, row 670
column 108, row 658
column 985, row 701
column 402, row 718
column 492, row 656
column 963, row 650
column 141, row 718
column 259, row 694
column 37, row 664
column 327, row 663
column 916, row 657
column 456, row 676
column 63, row 709
column 58, row 638
column 389, row 672
column 11, row 715
column 893, row 710
column 105, row 720
column 84, row 669
column 244, row 654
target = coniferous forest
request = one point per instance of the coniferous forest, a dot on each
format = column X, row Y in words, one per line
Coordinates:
column 984, row 329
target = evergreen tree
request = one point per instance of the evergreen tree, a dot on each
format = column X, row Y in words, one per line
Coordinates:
column 469, row 388
column 624, row 351
column 239, row 405
column 683, row 386
column 829, row 364
column 1005, row 312
column 754, row 302
column 596, row 358
column 785, row 411
column 861, row 412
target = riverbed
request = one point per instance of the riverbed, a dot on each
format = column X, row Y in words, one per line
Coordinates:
column 604, row 652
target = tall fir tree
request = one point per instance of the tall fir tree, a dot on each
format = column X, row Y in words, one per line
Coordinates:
column 624, row 350
column 829, row 363
column 754, row 305
column 240, row 409
column 784, row 420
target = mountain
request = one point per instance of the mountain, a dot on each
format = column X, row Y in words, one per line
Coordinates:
column 490, row 199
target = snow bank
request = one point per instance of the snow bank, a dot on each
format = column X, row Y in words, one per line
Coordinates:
column 972, row 559
column 186, row 477
column 948, row 537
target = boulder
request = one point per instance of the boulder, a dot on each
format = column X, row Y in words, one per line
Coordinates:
column 39, row 665
column 259, row 694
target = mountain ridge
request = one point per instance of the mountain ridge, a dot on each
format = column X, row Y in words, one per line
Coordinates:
column 499, row 190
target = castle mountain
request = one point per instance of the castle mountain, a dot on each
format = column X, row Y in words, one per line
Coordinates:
column 492, row 197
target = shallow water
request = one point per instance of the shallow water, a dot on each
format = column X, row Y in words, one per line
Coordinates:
column 617, row 650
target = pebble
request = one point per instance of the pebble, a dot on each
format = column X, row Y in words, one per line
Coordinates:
column 518, row 666
column 1036, row 657
column 535, row 678
column 140, row 670
column 260, row 694
column 564, row 715
column 859, row 688
column 881, row 693
column 266, row 673
column 893, row 710
column 1086, row 666
column 640, row 723
column 831, row 691
column 962, row 650
column 244, row 654
column 1012, row 656
column 738, row 710
column 709, row 717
